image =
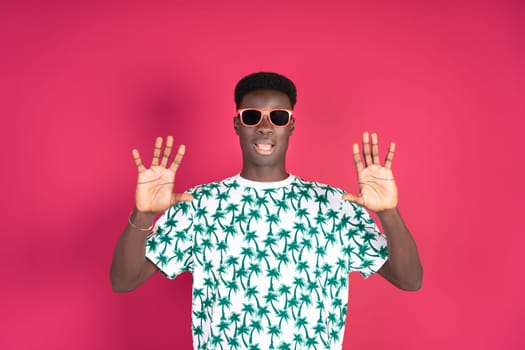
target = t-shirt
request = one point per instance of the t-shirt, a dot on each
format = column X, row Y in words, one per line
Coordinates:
column 270, row 261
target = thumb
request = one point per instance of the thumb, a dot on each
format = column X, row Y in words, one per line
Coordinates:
column 180, row 197
column 358, row 199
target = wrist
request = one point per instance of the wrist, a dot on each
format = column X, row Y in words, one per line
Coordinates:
column 388, row 213
column 142, row 221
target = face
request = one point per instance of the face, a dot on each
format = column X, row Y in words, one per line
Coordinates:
column 264, row 146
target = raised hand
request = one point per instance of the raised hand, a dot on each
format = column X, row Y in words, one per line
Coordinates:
column 378, row 190
column 154, row 193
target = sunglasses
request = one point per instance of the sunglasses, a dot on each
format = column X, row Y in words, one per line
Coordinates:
column 253, row 116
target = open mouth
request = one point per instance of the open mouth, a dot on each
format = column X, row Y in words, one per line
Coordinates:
column 264, row 148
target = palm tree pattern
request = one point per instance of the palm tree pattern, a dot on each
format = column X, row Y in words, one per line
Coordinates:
column 270, row 261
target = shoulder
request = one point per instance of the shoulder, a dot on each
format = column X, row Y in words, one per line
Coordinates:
column 317, row 186
column 204, row 195
column 211, row 188
column 321, row 192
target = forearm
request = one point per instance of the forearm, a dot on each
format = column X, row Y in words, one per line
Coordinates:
column 128, row 264
column 404, row 266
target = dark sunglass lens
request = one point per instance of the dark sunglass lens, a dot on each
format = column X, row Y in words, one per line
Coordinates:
column 279, row 118
column 251, row 116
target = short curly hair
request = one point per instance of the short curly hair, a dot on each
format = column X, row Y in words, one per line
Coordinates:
column 265, row 81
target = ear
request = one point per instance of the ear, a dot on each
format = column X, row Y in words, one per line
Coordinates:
column 291, row 127
column 236, row 125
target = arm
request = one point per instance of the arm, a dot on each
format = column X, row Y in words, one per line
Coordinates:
column 403, row 267
column 129, row 267
column 378, row 193
column 153, row 195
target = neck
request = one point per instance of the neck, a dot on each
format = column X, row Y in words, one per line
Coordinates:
column 264, row 174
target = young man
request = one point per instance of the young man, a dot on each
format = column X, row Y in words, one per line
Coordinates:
column 270, row 253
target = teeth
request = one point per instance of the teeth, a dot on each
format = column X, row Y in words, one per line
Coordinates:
column 264, row 146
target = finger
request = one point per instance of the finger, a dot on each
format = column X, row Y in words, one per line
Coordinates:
column 178, row 158
column 390, row 155
column 180, row 197
column 138, row 161
column 366, row 149
column 375, row 149
column 167, row 151
column 358, row 199
column 156, row 151
column 357, row 158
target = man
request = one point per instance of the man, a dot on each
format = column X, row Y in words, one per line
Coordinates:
column 270, row 253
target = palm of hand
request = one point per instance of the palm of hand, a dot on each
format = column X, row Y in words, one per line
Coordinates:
column 154, row 189
column 154, row 193
column 378, row 190
column 377, row 187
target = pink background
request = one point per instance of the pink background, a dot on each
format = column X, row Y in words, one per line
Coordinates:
column 81, row 85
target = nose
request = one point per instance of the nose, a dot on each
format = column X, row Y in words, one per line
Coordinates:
column 266, row 126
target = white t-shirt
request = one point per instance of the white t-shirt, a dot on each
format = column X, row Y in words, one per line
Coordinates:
column 270, row 261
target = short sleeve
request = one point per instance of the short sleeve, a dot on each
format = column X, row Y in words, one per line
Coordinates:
column 366, row 247
column 170, row 246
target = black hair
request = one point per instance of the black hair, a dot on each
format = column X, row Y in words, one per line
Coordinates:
column 265, row 81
